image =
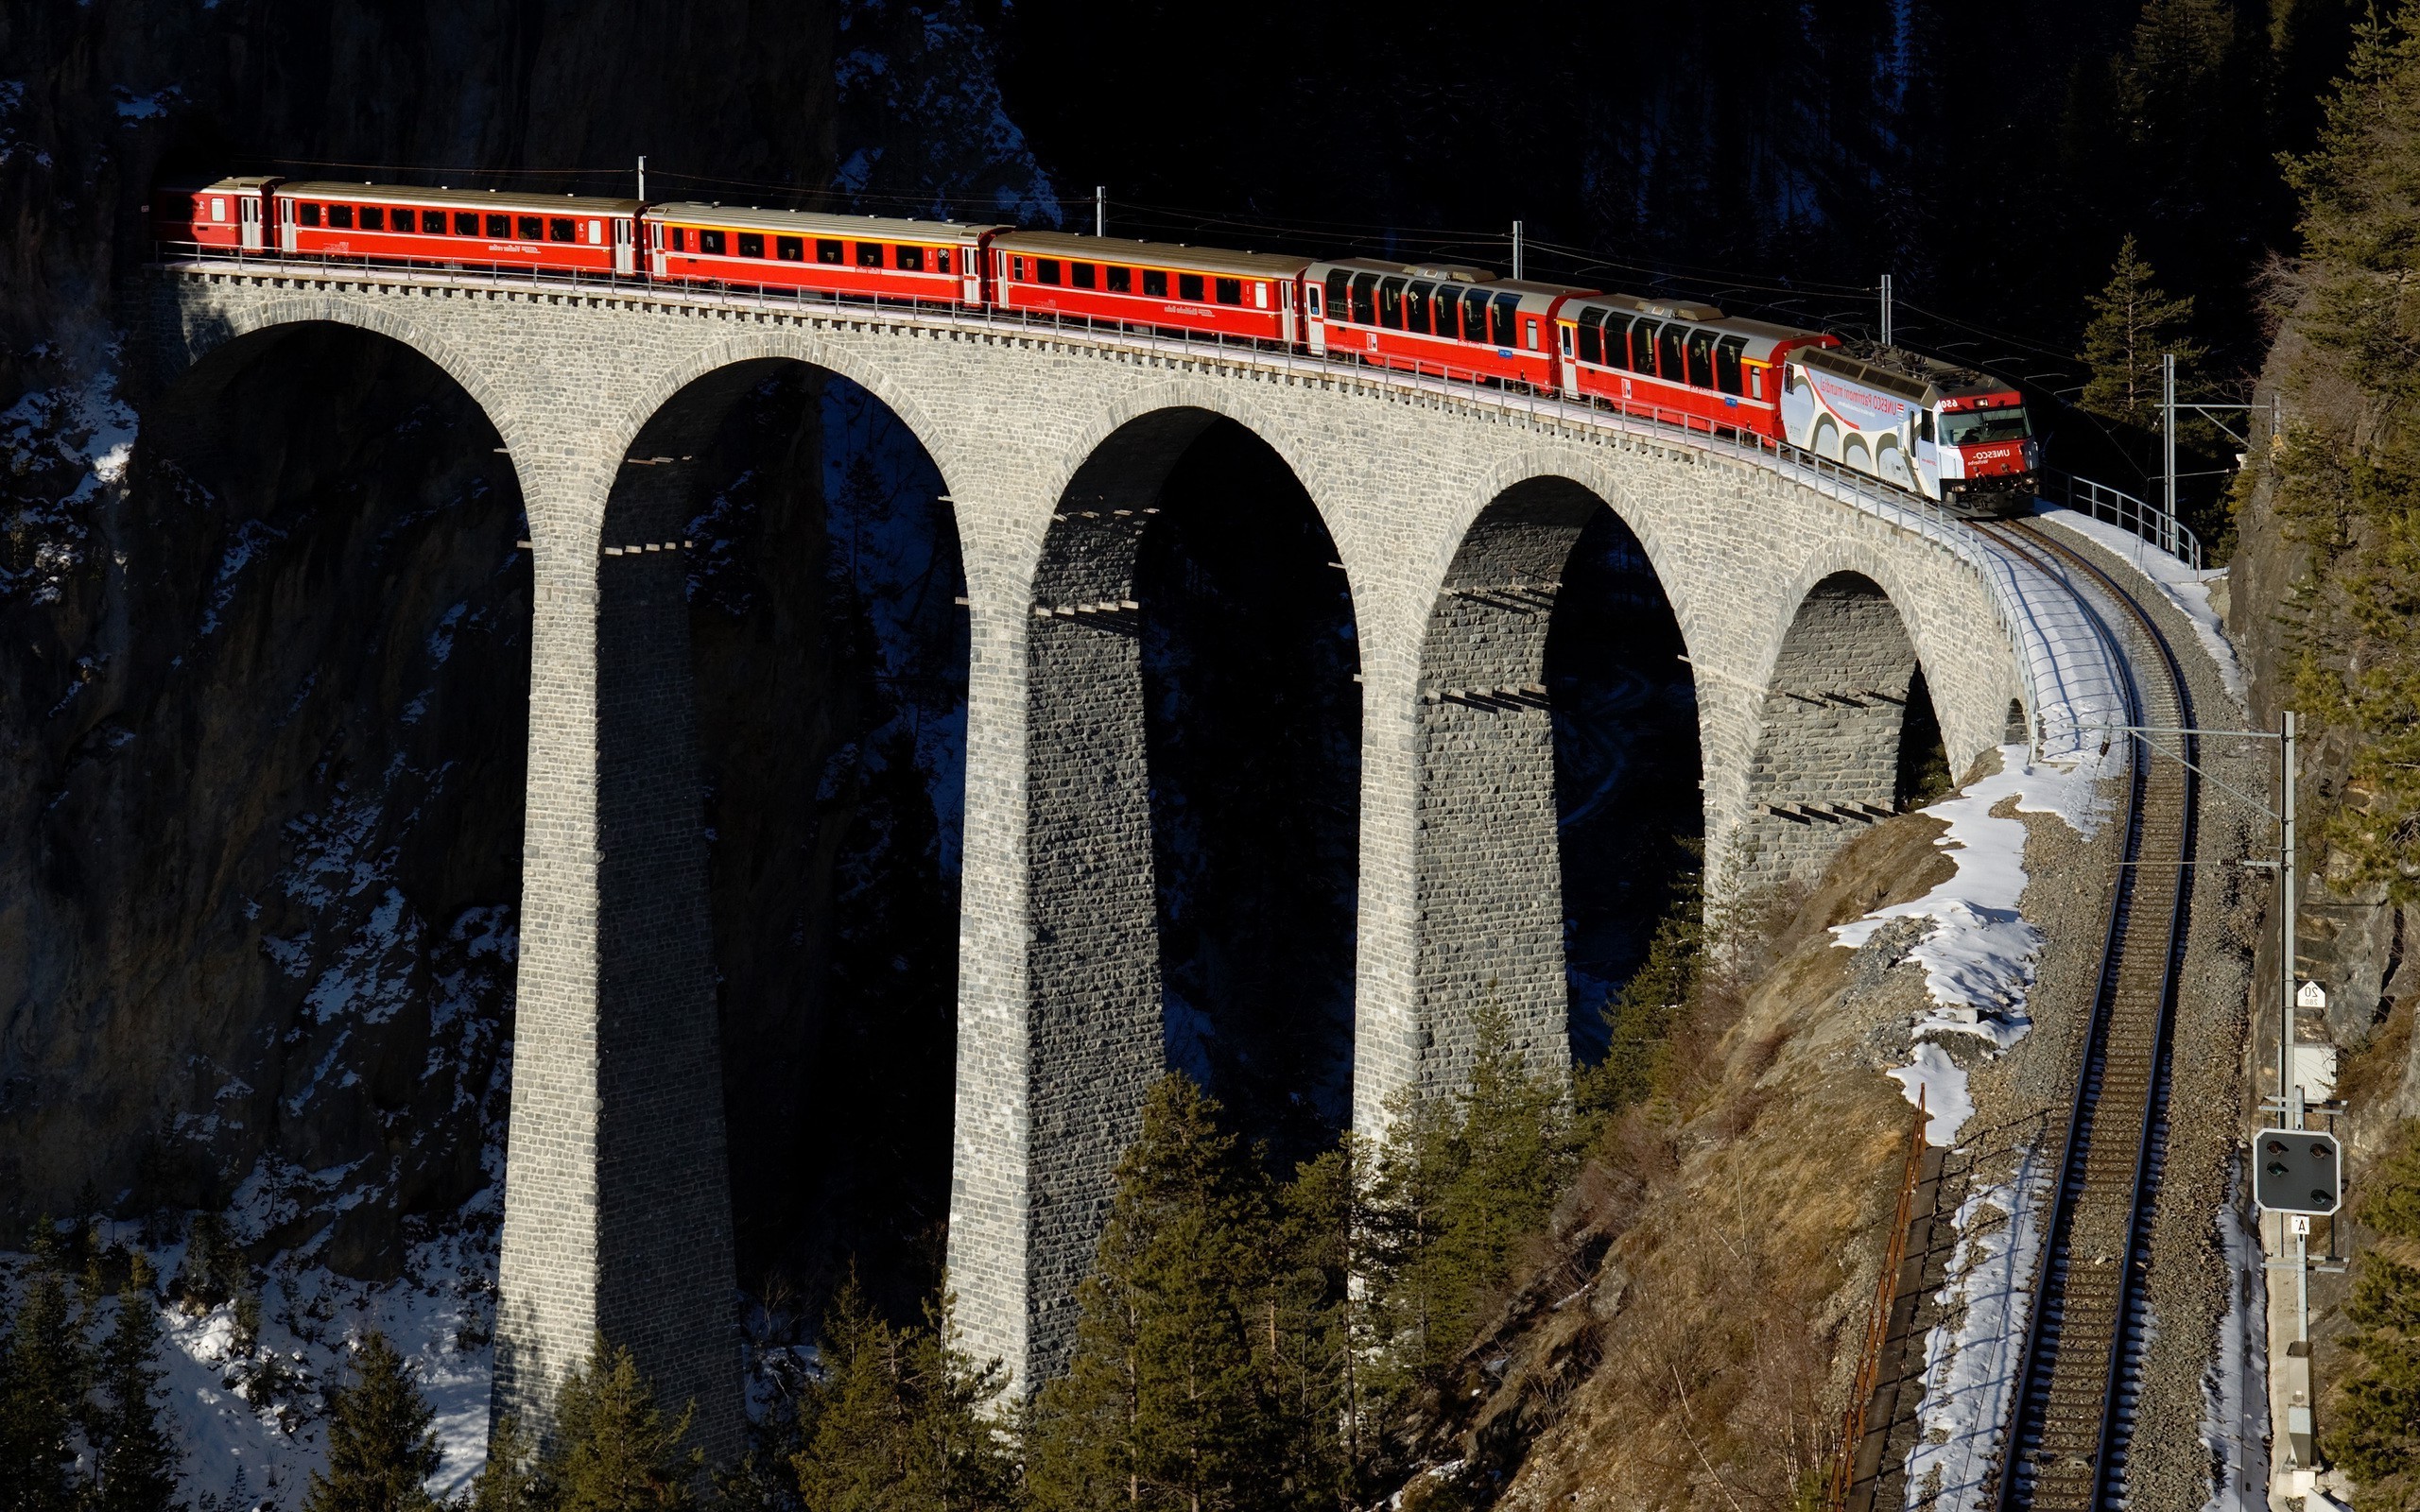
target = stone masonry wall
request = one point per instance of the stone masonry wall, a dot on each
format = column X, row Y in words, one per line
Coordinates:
column 1011, row 418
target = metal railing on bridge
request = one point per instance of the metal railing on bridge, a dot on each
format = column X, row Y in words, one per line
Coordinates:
column 2125, row 511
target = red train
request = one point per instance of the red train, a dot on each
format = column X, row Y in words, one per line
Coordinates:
column 1948, row 433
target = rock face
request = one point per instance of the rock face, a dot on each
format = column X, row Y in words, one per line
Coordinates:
column 266, row 649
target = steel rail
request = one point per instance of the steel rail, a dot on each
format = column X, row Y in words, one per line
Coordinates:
column 2065, row 1445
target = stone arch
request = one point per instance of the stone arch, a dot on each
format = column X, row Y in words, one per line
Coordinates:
column 1840, row 699
column 1489, row 872
column 1097, row 972
column 238, row 321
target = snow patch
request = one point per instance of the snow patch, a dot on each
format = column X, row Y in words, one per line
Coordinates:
column 2235, row 1385
column 1973, row 1355
column 1941, row 1082
column 2187, row 589
column 1980, row 954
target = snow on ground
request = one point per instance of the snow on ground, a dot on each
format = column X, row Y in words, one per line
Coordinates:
column 2185, row 588
column 1972, row 1356
column 1979, row 954
column 2235, row 1387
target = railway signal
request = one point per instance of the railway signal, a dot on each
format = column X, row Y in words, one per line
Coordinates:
column 2297, row 1170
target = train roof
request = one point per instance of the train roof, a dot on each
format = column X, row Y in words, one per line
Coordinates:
column 1450, row 273
column 1763, row 337
column 861, row 228
column 1171, row 254
column 241, row 181
column 579, row 204
column 1909, row 374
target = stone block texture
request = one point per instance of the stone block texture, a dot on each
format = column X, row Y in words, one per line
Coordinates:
column 1451, row 515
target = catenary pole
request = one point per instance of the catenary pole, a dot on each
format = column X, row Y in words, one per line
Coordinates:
column 642, row 176
column 1100, row 210
column 1517, row 251
column 2168, row 428
column 1886, row 309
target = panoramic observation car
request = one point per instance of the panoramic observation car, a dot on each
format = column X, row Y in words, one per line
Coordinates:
column 870, row 256
column 1688, row 363
column 1946, row 432
column 459, row 227
column 1159, row 285
column 1465, row 322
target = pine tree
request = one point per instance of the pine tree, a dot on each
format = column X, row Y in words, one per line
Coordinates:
column 137, row 1461
column 1462, row 1182
column 898, row 1419
column 614, row 1450
column 2375, row 1435
column 2132, row 323
column 49, row 1369
column 508, row 1480
column 1166, row 1404
column 380, row 1450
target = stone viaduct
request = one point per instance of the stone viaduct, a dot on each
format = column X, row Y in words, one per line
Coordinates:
column 1806, row 603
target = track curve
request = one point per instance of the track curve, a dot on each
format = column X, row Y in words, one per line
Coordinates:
column 2064, row 1448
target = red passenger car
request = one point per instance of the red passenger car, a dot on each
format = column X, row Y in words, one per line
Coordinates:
column 459, row 226
column 227, row 216
column 1436, row 318
column 938, row 261
column 1684, row 362
column 1158, row 284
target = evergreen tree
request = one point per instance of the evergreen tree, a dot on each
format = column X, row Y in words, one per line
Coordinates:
column 897, row 1420
column 2375, row 1434
column 49, row 1369
column 1166, row 1404
column 1313, row 1339
column 614, row 1450
column 137, row 1461
column 1460, row 1182
column 380, row 1450
column 508, row 1480
column 2132, row 323
column 1641, row 1017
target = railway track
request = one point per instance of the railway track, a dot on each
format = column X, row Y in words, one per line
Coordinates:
column 2064, row 1448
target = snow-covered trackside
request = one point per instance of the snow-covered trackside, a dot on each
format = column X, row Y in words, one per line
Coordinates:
column 1973, row 1355
column 1979, row 954
column 2235, row 1389
column 2182, row 586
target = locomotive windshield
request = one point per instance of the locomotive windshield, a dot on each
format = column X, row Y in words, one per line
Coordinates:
column 1976, row 427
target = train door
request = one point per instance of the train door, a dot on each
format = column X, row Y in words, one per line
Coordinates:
column 625, row 255
column 248, row 210
column 655, row 247
column 970, row 269
column 285, row 224
column 1314, row 319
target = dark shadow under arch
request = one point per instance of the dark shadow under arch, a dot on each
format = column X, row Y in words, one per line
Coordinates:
column 829, row 652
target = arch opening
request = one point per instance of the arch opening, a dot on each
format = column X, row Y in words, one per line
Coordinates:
column 1559, row 806
column 277, row 850
column 1849, row 734
column 822, row 634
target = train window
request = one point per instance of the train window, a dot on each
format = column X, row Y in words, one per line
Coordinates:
column 466, row 223
column 1924, row 425
column 218, row 208
column 529, row 229
column 1390, row 304
column 1229, row 290
column 1701, row 359
column 501, row 228
column 752, row 244
column 1415, row 307
column 1082, row 275
column 1155, row 284
column 1365, row 299
column 374, row 218
column 432, row 222
column 791, row 248
column 826, row 252
column 1507, row 309
column 1122, row 280
column 908, row 258
column 559, row 229
column 596, row 233
column 1260, row 295
column 1188, row 286
column 1642, row 346
column 1565, row 328
column 1311, row 292
column 1530, row 334
column 1726, row 364
column 1046, row 270
column 869, row 254
column 1617, row 340
column 1672, row 353
column 1592, row 335
column 307, row 214
column 710, row 242
column 1339, row 296
column 674, row 237
column 940, row 259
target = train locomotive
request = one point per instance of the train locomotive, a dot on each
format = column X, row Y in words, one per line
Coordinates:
column 1950, row 434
